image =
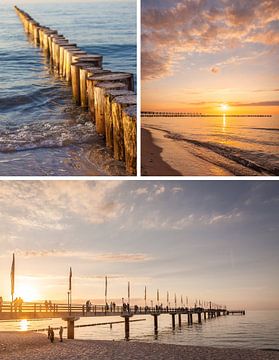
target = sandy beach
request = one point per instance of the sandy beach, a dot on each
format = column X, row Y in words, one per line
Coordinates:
column 152, row 161
column 27, row 345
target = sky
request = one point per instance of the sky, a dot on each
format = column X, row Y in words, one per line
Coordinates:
column 199, row 54
column 207, row 240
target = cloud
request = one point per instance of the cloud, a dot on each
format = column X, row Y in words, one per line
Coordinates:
column 50, row 205
column 174, row 29
column 215, row 70
column 82, row 255
column 260, row 103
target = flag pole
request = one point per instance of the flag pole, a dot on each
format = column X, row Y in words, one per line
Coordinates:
column 106, row 292
column 70, row 291
column 13, row 280
column 145, row 296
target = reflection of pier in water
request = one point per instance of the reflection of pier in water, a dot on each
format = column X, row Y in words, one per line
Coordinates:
column 195, row 114
column 73, row 312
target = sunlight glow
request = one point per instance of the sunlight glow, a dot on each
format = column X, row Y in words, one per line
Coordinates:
column 224, row 107
column 24, row 325
column 27, row 292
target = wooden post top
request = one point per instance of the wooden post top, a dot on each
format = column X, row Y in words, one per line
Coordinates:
column 112, row 92
column 112, row 76
column 125, row 100
column 131, row 111
column 110, row 85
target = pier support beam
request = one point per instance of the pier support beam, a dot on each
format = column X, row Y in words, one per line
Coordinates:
column 204, row 315
column 179, row 320
column 190, row 319
column 71, row 326
column 199, row 318
column 127, row 317
column 173, row 320
column 155, row 317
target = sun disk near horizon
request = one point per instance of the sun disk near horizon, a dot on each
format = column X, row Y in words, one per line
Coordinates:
column 224, row 107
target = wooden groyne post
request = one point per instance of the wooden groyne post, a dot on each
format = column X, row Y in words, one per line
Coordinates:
column 115, row 116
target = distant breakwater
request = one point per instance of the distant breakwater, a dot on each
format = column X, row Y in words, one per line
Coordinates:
column 108, row 96
column 189, row 114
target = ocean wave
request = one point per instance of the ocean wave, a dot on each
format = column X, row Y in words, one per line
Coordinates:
column 37, row 96
column 259, row 162
column 48, row 135
column 262, row 163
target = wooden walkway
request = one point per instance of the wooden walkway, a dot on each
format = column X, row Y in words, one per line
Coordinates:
column 74, row 312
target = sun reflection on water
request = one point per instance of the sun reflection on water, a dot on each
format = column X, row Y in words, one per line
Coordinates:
column 24, row 324
column 224, row 123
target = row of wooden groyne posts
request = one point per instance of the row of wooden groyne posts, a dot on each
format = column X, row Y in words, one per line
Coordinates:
column 73, row 312
column 194, row 114
column 108, row 96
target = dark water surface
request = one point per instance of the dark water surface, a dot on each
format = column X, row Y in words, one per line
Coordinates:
column 41, row 131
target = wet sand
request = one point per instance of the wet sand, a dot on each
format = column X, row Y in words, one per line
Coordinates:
column 152, row 163
column 28, row 345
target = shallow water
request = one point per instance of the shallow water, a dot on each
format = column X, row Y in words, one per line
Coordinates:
column 221, row 145
column 41, row 131
column 257, row 329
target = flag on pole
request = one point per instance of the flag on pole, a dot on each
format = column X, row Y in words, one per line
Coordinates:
column 129, row 292
column 168, row 298
column 70, row 279
column 106, row 287
column 175, row 299
column 181, row 300
column 187, row 300
column 145, row 293
column 13, row 277
column 158, row 295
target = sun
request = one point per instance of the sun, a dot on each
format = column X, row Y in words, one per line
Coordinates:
column 224, row 107
column 27, row 292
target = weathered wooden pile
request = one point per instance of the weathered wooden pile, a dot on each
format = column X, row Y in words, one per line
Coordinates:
column 108, row 96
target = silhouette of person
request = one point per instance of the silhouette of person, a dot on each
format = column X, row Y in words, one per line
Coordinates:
column 51, row 335
column 48, row 332
column 61, row 333
column 1, row 303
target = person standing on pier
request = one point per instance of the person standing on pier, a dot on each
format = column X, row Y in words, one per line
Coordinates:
column 48, row 332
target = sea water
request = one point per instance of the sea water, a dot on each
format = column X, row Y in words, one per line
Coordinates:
column 256, row 330
column 217, row 146
column 41, row 131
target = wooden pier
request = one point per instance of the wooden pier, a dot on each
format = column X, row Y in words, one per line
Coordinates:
column 92, row 87
column 72, row 313
column 195, row 114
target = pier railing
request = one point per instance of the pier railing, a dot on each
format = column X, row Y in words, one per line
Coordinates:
column 55, row 309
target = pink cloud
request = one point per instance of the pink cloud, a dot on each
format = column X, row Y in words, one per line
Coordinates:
column 199, row 27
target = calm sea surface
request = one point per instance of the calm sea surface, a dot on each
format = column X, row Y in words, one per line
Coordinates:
column 257, row 329
column 41, row 132
column 219, row 145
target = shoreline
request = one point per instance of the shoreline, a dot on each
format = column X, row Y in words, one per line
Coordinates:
column 152, row 163
column 29, row 345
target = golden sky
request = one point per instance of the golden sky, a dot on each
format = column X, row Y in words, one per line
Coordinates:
column 199, row 54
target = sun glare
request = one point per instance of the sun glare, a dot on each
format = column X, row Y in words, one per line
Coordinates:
column 27, row 292
column 224, row 107
column 24, row 325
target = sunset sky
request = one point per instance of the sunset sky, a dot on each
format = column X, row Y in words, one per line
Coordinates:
column 198, row 54
column 214, row 240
